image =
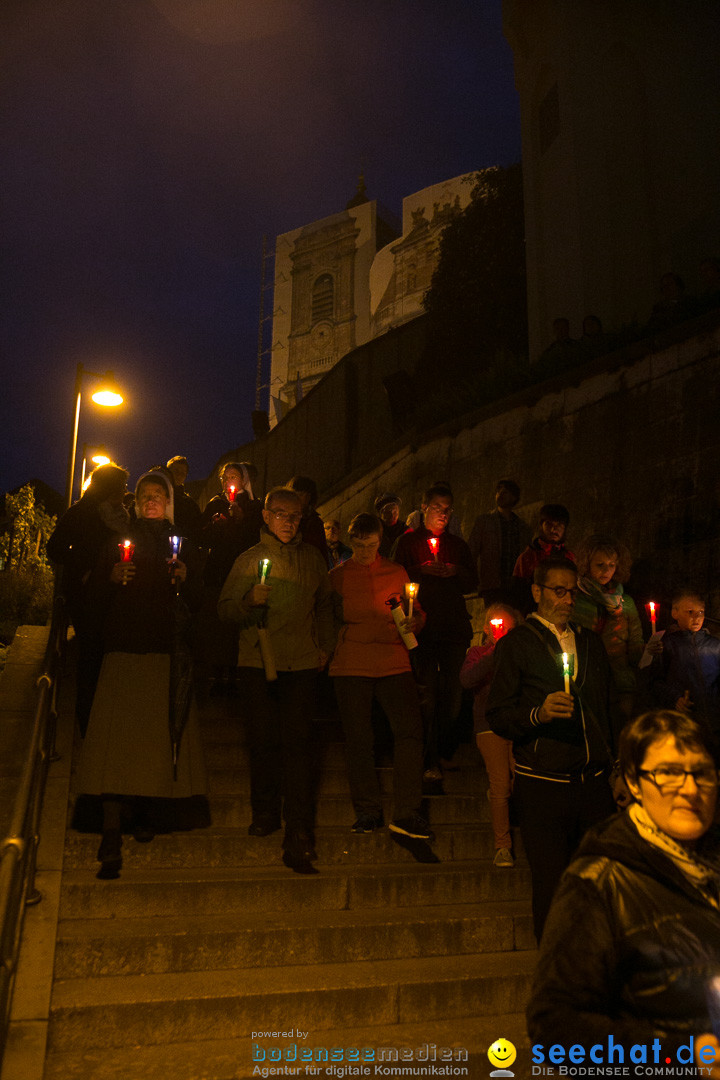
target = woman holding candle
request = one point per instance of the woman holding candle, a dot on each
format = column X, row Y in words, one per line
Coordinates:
column 229, row 525
column 632, row 940
column 476, row 675
column 371, row 663
column 603, row 606
column 127, row 755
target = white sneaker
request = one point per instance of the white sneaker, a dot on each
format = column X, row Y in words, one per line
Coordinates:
column 503, row 857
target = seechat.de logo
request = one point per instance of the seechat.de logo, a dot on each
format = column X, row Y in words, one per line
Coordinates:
column 501, row 1054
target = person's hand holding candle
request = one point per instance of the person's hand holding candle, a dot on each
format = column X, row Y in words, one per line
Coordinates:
column 124, row 571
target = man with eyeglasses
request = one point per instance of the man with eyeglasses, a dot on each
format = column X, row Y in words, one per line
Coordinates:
column 293, row 603
column 444, row 568
column 563, row 743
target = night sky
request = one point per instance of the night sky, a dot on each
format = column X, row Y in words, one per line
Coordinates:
column 147, row 145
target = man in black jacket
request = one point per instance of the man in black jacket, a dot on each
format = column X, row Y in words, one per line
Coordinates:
column 443, row 566
column 563, row 742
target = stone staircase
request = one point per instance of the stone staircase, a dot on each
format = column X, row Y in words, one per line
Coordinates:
column 207, row 945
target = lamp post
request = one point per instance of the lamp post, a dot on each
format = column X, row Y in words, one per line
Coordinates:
column 106, row 395
column 98, row 458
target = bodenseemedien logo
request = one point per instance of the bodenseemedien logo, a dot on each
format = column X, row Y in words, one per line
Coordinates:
column 501, row 1054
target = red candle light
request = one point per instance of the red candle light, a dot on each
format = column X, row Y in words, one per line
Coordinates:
column 434, row 543
column 127, row 550
column 231, row 493
column 651, row 608
column 499, row 628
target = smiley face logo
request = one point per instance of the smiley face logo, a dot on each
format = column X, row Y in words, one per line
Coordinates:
column 502, row 1053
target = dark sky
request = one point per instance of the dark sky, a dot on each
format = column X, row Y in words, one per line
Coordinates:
column 147, row 145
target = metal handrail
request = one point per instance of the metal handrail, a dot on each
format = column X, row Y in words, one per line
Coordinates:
column 18, row 850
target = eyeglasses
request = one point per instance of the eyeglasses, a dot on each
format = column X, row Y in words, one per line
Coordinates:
column 282, row 515
column 671, row 778
column 560, row 592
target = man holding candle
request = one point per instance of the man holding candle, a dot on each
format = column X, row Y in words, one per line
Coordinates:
column 294, row 607
column 563, row 743
column 444, row 575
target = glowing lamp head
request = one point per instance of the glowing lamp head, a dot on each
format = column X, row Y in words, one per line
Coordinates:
column 107, row 397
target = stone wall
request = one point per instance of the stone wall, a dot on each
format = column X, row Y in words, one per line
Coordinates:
column 629, row 442
column 631, row 445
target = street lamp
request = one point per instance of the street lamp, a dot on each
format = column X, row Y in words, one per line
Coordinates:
column 98, row 458
column 105, row 395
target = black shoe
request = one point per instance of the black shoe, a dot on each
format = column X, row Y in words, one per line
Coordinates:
column 300, row 864
column 263, row 828
column 415, row 827
column 299, row 849
column 368, row 823
column 110, row 854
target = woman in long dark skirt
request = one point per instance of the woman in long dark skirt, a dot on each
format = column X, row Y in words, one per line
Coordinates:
column 143, row 739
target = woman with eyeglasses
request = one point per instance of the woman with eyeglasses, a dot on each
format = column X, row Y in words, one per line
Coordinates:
column 632, row 941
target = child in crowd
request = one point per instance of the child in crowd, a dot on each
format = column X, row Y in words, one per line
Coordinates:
column 476, row 674
column 687, row 676
column 548, row 544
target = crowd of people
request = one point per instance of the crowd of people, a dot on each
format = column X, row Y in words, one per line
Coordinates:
column 599, row 737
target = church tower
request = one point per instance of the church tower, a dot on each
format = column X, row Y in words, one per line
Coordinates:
column 322, row 296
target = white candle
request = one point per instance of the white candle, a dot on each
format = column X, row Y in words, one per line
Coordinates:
column 566, row 671
column 411, row 589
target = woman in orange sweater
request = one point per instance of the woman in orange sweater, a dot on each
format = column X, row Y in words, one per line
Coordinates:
column 371, row 662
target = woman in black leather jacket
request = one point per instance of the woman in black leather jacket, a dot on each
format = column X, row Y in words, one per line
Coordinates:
column 632, row 941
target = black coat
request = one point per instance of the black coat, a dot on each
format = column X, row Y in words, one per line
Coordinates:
column 528, row 667
column 628, row 948
column 441, row 598
column 140, row 617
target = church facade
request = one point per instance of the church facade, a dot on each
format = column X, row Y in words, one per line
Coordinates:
column 344, row 279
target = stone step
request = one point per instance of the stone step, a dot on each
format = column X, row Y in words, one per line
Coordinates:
column 233, row 847
column 145, row 1009
column 230, row 779
column 232, row 1059
column 233, row 811
column 135, row 946
column 147, row 893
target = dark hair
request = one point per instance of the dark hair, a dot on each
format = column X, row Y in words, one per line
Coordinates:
column 597, row 542
column 511, row 486
column 438, row 488
column 107, row 481
column 304, row 483
column 281, row 493
column 237, row 465
column 384, row 499
column 636, row 737
column 683, row 592
column 555, row 512
column 332, row 521
column 546, row 566
column 179, row 459
column 363, row 525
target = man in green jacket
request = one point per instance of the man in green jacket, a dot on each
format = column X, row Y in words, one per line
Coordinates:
column 292, row 602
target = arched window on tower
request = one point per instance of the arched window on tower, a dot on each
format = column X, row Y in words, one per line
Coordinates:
column 323, row 298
